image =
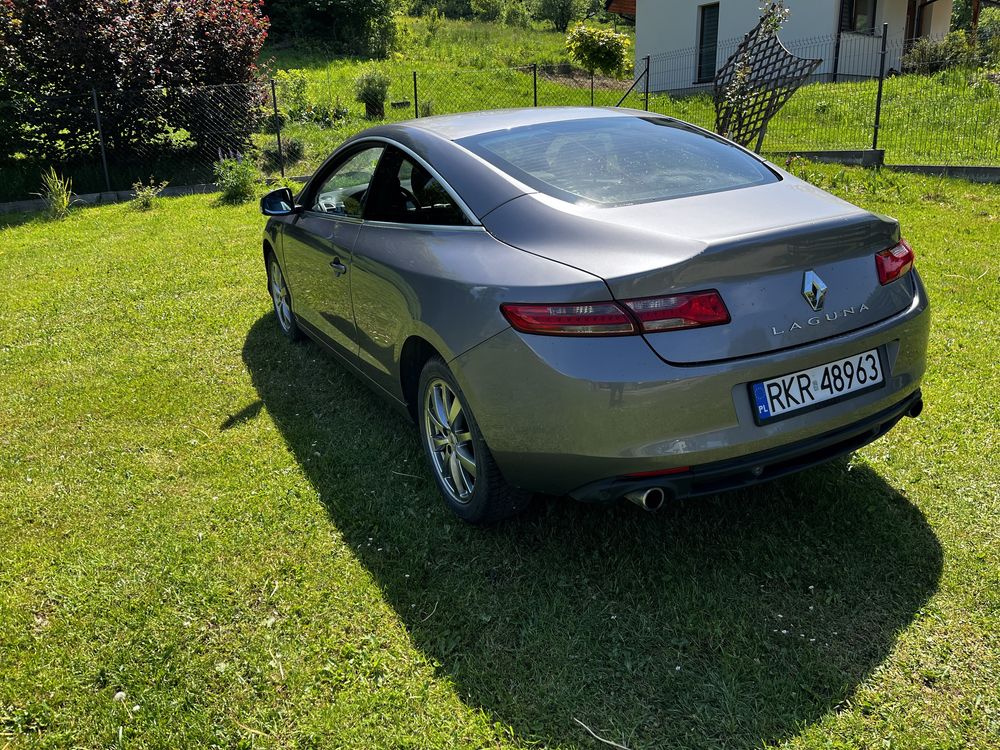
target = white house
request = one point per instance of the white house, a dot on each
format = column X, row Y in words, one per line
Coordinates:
column 688, row 40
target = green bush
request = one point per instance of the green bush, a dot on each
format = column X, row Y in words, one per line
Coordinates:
column 146, row 196
column 293, row 150
column 516, row 14
column 293, row 91
column 488, row 10
column 272, row 122
column 371, row 88
column 598, row 49
column 237, row 179
column 931, row 56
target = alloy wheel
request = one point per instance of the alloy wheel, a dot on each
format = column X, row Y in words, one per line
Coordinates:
column 279, row 294
column 449, row 437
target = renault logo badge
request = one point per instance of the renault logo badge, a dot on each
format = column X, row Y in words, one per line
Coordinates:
column 814, row 290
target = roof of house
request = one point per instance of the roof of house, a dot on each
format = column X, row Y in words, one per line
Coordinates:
column 621, row 7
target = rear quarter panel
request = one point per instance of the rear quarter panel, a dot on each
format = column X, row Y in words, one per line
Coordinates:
column 445, row 285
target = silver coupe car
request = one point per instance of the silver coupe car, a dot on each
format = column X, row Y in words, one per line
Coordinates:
column 599, row 303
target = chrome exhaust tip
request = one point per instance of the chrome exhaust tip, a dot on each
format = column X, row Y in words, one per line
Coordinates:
column 915, row 408
column 650, row 499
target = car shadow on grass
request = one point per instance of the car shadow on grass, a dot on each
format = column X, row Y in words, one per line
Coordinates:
column 722, row 622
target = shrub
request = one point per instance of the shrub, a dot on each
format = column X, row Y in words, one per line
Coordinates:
column 293, row 150
column 292, row 89
column 273, row 122
column 560, row 13
column 73, row 46
column 57, row 192
column 989, row 37
column 237, row 178
column 146, row 196
column 598, row 49
column 340, row 110
column 488, row 10
column 371, row 88
column 931, row 56
column 516, row 13
column 449, row 8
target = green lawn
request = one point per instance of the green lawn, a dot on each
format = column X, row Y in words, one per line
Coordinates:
column 211, row 537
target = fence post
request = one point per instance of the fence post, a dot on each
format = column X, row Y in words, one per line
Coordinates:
column 416, row 106
column 534, row 81
column 881, row 80
column 591, row 88
column 277, row 128
column 646, row 84
column 100, row 137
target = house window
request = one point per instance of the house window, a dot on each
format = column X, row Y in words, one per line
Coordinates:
column 708, row 41
column 859, row 16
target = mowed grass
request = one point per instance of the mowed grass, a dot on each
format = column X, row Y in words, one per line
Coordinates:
column 212, row 537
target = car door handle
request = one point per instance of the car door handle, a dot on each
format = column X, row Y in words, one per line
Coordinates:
column 339, row 269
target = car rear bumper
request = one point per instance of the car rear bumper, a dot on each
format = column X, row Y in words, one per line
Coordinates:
column 757, row 468
column 561, row 414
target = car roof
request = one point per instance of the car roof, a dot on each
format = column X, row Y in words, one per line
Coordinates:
column 454, row 127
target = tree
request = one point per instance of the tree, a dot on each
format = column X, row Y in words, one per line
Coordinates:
column 598, row 49
column 362, row 27
column 561, row 13
column 57, row 53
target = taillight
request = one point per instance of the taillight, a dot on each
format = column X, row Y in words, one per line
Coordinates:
column 679, row 311
column 894, row 262
column 646, row 315
column 592, row 319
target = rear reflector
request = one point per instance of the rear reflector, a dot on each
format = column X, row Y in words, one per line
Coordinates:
column 659, row 472
column 593, row 319
column 631, row 316
column 693, row 310
column 894, row 262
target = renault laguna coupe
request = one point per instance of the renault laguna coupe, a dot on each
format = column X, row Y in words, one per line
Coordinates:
column 599, row 303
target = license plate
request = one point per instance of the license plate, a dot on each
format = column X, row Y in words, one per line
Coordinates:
column 807, row 389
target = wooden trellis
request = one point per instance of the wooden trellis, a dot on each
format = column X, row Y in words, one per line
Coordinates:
column 756, row 81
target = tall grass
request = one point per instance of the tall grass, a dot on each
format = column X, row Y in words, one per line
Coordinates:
column 57, row 192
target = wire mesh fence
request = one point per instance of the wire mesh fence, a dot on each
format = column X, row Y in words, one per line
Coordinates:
column 108, row 140
column 940, row 104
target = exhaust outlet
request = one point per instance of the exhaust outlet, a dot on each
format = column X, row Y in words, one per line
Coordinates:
column 650, row 499
column 915, row 408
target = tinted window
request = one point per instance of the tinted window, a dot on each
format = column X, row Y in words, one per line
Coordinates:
column 619, row 160
column 342, row 192
column 406, row 193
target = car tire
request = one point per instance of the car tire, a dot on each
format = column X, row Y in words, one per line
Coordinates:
column 281, row 298
column 459, row 459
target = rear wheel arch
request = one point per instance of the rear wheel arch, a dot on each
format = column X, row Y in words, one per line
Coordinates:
column 416, row 352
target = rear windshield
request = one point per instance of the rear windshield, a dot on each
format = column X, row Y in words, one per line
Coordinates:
column 615, row 161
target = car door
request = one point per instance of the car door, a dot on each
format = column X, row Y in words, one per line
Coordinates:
column 413, row 225
column 318, row 244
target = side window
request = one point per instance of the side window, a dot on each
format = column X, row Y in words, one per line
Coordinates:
column 406, row 193
column 343, row 191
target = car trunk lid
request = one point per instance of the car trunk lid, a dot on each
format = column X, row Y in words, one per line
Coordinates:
column 755, row 246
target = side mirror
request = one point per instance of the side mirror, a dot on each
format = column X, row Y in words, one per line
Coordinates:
column 279, row 202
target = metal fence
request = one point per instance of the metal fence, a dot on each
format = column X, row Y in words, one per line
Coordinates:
column 923, row 101
column 938, row 105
